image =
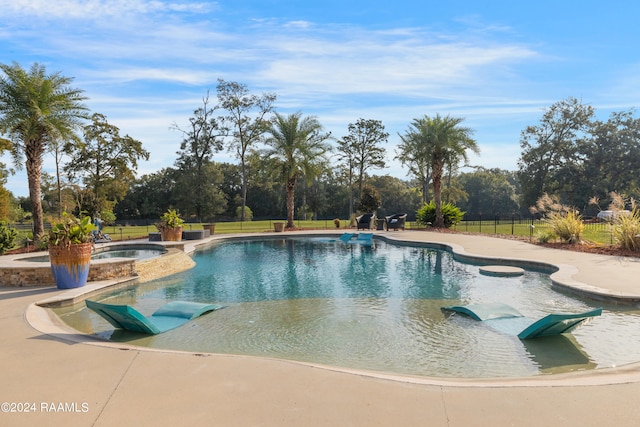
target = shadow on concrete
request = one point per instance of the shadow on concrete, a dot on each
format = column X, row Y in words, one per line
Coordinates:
column 13, row 292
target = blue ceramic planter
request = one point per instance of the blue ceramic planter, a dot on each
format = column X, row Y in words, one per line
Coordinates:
column 70, row 265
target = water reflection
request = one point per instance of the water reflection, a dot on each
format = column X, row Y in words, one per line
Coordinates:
column 551, row 353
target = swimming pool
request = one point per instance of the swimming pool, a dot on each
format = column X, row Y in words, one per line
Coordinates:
column 369, row 307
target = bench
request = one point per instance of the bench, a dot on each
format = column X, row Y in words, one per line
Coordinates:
column 186, row 235
column 195, row 234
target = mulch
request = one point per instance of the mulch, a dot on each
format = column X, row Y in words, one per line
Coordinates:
column 24, row 250
column 593, row 248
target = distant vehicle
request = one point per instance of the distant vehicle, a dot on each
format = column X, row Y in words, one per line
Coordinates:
column 610, row 216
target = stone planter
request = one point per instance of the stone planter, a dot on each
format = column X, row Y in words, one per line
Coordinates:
column 278, row 226
column 70, row 265
column 172, row 234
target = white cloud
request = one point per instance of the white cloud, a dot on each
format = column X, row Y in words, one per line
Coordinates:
column 390, row 69
column 405, row 62
column 299, row 24
column 167, row 74
column 97, row 9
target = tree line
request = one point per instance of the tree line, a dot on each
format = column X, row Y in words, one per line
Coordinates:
column 288, row 165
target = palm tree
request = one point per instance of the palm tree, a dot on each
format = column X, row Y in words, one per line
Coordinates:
column 36, row 110
column 438, row 141
column 298, row 147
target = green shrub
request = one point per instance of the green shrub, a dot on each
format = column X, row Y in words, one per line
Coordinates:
column 546, row 236
column 7, row 237
column 625, row 229
column 568, row 226
column 107, row 216
column 451, row 214
column 565, row 222
column 248, row 213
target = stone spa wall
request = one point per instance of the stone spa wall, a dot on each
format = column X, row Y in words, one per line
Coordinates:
column 25, row 273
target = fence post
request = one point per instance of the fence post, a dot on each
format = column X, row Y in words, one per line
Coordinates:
column 512, row 224
column 480, row 226
column 531, row 227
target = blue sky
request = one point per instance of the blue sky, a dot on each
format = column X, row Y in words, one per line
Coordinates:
column 146, row 64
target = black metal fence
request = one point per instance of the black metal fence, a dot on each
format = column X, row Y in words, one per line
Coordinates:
column 519, row 225
column 505, row 225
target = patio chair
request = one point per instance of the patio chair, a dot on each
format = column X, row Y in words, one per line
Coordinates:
column 366, row 221
column 396, row 221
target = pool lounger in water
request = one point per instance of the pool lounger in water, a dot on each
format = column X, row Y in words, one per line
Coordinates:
column 167, row 317
column 346, row 237
column 362, row 238
column 552, row 324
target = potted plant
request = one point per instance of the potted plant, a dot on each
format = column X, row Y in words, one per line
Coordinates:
column 70, row 248
column 170, row 226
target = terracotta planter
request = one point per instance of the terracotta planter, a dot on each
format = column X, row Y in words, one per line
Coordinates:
column 70, row 265
column 278, row 226
column 172, row 234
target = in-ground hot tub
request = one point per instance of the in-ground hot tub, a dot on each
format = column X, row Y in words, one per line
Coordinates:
column 132, row 250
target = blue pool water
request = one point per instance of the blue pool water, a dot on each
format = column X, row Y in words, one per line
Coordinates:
column 369, row 307
column 137, row 253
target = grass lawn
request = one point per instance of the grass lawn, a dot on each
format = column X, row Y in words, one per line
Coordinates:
column 596, row 233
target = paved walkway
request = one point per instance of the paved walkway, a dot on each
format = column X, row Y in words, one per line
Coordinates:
column 63, row 378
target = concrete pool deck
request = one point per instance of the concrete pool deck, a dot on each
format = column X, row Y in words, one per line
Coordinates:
column 64, row 378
